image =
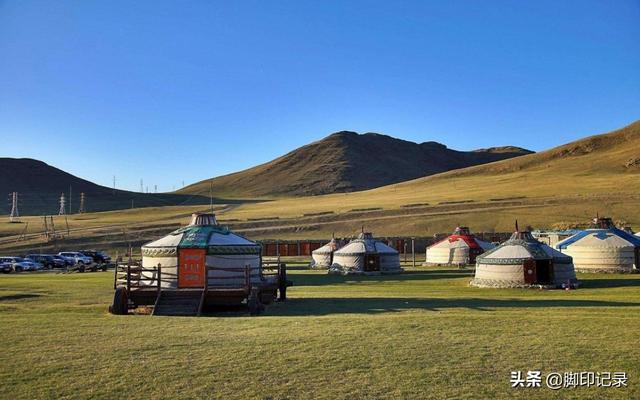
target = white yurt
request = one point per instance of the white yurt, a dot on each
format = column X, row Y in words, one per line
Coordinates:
column 603, row 248
column 322, row 257
column 365, row 255
column 460, row 248
column 523, row 261
column 226, row 255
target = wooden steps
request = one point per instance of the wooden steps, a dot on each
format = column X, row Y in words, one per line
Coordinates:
column 178, row 303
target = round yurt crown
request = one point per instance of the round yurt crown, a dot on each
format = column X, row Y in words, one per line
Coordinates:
column 523, row 235
column 203, row 219
column 602, row 223
column 462, row 230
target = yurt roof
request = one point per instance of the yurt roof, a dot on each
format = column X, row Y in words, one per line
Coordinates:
column 521, row 247
column 611, row 237
column 365, row 243
column 461, row 237
column 327, row 248
column 201, row 234
column 603, row 233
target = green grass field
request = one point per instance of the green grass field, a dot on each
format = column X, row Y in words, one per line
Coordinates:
column 422, row 334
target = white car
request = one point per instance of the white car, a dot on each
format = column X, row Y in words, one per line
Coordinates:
column 76, row 258
column 21, row 264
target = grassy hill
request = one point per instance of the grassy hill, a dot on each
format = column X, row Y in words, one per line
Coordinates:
column 347, row 162
column 567, row 183
column 39, row 186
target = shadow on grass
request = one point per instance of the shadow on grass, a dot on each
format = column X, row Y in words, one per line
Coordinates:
column 608, row 283
column 19, row 296
column 328, row 279
column 330, row 306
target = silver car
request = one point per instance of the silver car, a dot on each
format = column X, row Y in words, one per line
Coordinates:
column 76, row 257
column 21, row 264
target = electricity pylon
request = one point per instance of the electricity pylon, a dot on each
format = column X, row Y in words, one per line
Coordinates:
column 63, row 203
column 81, row 210
column 15, row 215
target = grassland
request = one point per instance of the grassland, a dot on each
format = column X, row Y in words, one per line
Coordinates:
column 423, row 334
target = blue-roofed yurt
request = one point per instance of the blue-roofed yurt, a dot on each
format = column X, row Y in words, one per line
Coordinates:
column 603, row 248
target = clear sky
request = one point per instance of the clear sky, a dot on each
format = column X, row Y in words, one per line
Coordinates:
column 169, row 91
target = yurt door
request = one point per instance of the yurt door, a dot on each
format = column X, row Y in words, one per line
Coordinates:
column 473, row 253
column 530, row 275
column 192, row 269
column 544, row 272
column 371, row 262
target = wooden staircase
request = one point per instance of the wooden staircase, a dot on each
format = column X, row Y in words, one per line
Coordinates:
column 186, row 303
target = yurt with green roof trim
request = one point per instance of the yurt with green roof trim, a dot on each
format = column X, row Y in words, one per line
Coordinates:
column 227, row 255
column 200, row 266
column 523, row 262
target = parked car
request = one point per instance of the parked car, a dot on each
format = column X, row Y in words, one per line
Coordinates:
column 62, row 262
column 6, row 267
column 32, row 265
column 46, row 260
column 76, row 257
column 98, row 256
column 21, row 264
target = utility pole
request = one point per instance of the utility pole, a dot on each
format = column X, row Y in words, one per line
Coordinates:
column 413, row 251
column 70, row 212
column 211, row 195
column 15, row 215
column 131, row 203
column 46, row 228
column 63, row 203
column 81, row 210
column 114, row 185
column 141, row 186
column 155, row 188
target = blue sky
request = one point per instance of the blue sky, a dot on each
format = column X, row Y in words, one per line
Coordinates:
column 171, row 91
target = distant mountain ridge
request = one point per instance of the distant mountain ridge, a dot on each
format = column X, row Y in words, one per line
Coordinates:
column 345, row 162
column 39, row 186
column 342, row 162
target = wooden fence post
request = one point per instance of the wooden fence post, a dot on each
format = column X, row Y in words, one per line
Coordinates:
column 413, row 251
